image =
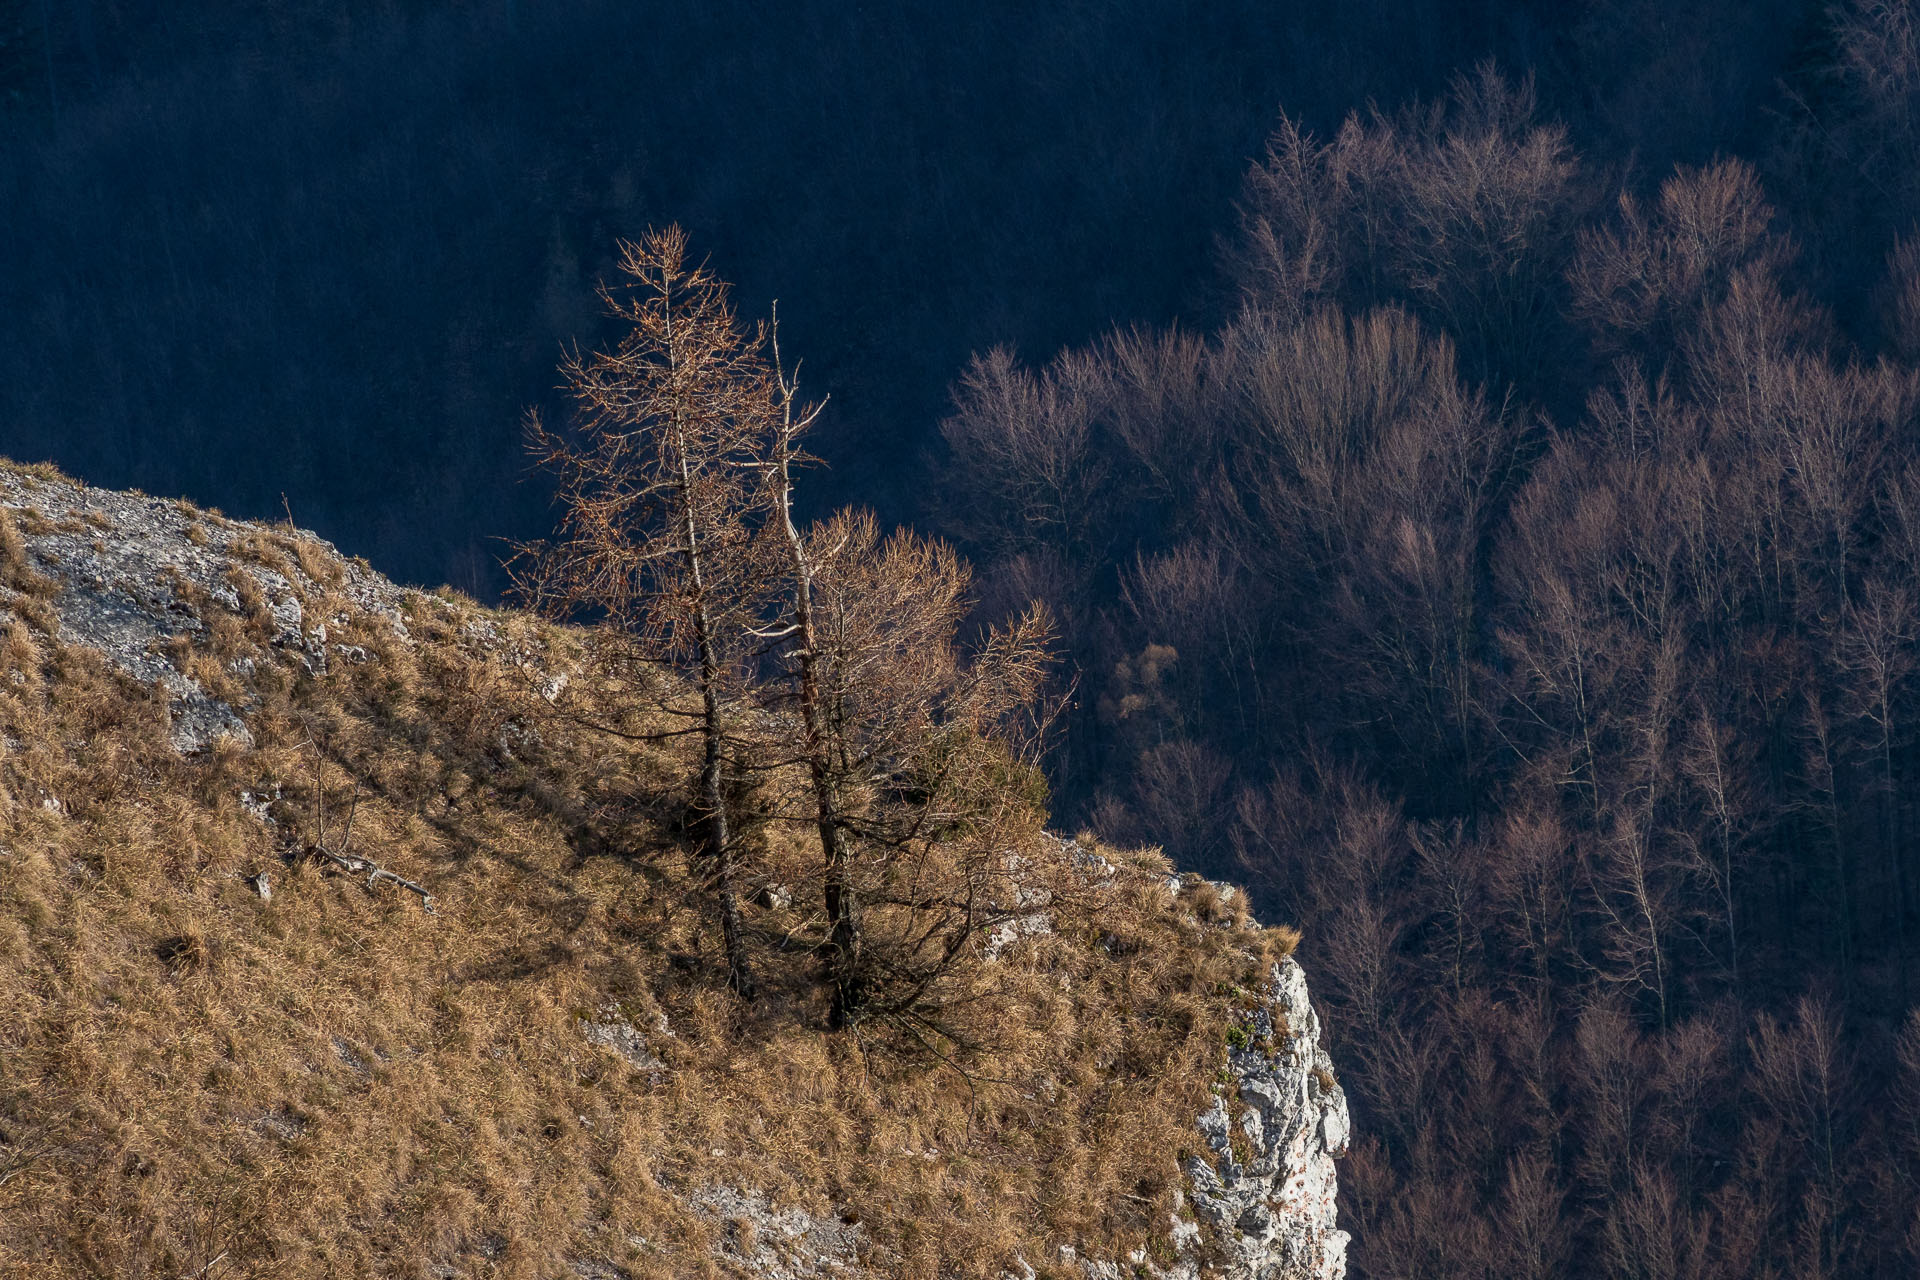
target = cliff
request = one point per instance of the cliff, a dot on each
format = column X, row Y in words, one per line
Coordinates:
column 331, row 943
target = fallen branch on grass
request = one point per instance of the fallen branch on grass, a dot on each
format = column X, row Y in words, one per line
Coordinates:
column 375, row 873
column 343, row 857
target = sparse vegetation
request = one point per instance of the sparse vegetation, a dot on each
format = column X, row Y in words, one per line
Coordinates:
column 17, row 571
column 40, row 472
column 828, row 654
column 331, row 1081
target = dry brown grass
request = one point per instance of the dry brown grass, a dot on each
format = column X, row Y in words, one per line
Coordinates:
column 44, row 472
column 334, row 1083
column 315, row 561
column 13, row 545
column 17, row 571
column 269, row 551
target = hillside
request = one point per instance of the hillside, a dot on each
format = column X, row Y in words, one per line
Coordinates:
column 331, row 944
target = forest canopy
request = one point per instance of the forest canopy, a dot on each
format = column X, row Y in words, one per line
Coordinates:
column 1521, row 589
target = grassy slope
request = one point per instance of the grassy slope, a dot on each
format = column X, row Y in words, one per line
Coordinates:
column 335, row 1083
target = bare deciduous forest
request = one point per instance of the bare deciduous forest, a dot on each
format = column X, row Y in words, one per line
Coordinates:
column 1484, row 517
column 1521, row 591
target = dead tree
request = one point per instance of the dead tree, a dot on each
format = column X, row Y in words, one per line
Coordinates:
column 926, row 750
column 841, row 950
column 660, row 495
column 909, row 746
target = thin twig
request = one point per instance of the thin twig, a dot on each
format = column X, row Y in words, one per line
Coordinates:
column 375, row 874
column 197, row 1275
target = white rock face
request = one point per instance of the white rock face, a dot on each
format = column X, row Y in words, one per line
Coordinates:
column 1262, row 1201
column 1274, row 1131
column 1264, row 1197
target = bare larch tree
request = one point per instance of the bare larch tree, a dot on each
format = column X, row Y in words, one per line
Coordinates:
column 660, row 491
column 841, row 948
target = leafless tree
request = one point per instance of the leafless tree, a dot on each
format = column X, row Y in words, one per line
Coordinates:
column 1610, row 1085
column 1715, row 846
column 1642, row 282
column 1874, row 659
column 1463, row 208
column 659, row 497
column 1801, row 1073
column 927, row 756
column 1532, row 1223
column 820, row 735
column 1650, row 1232
column 1023, row 446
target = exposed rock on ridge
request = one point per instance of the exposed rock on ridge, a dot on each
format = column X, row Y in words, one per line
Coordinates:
column 1271, row 1196
column 1265, row 1197
column 127, row 574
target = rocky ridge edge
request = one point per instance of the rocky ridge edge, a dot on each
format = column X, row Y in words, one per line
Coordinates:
column 121, row 571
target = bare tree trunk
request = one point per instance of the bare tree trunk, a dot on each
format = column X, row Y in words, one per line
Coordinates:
column 712, row 731
column 841, row 952
column 719, row 836
column 1893, row 848
column 1827, row 780
column 661, row 506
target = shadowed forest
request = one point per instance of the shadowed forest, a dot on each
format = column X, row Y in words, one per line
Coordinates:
column 1470, row 451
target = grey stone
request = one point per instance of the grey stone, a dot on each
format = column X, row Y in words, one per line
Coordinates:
column 611, row 1030
column 129, row 570
column 1277, row 1208
column 782, row 1244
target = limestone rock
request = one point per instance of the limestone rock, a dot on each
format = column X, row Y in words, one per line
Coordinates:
column 1264, row 1196
column 133, row 573
column 612, row 1031
column 772, row 1243
column 1270, row 1195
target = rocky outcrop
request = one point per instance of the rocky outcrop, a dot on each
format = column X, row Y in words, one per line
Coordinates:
column 1263, row 1199
column 1265, row 1196
column 126, row 575
column 1260, row 1205
column 769, row 1242
column 1275, row 1128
